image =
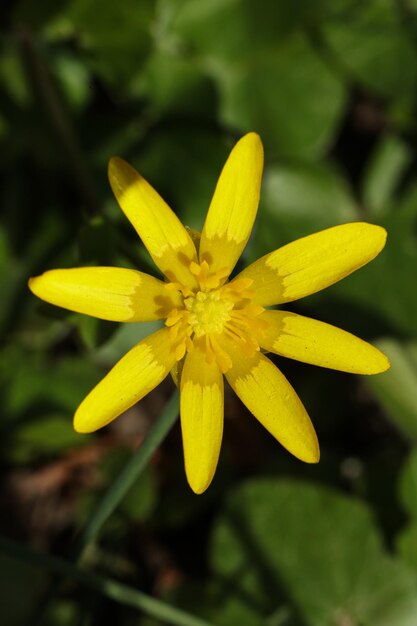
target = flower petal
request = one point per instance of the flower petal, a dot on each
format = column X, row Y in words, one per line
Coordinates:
column 269, row 396
column 166, row 239
column 234, row 205
column 312, row 263
column 109, row 293
column 201, row 418
column 135, row 375
column 311, row 341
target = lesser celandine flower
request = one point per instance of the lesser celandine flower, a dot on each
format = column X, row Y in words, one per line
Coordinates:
column 214, row 327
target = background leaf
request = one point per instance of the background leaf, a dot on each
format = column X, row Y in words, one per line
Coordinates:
column 397, row 388
column 275, row 534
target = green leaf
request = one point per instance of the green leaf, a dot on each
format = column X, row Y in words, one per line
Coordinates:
column 177, row 86
column 290, row 96
column 62, row 613
column 118, row 35
column 123, row 339
column 370, row 40
column 12, row 75
column 33, row 381
column 396, row 389
column 408, row 485
column 48, row 435
column 298, row 200
column 269, row 77
column 94, row 332
column 74, row 80
column 315, row 547
column 183, row 164
column 386, row 287
column 237, row 29
column 406, row 539
column 383, row 173
column 406, row 545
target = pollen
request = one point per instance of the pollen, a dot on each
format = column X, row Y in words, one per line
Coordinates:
column 208, row 312
column 212, row 312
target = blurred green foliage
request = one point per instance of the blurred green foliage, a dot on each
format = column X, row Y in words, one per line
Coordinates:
column 271, row 530
column 331, row 86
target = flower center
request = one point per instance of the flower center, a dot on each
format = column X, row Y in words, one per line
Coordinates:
column 212, row 313
column 209, row 312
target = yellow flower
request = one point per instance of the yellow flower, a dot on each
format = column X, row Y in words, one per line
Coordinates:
column 214, row 327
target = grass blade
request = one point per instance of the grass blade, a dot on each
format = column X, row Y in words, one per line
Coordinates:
column 106, row 586
column 129, row 474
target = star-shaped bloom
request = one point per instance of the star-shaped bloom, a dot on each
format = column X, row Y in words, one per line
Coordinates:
column 214, row 327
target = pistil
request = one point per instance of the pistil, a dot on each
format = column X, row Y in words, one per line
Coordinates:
column 213, row 312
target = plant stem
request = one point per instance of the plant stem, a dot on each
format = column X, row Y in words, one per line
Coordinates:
column 106, row 586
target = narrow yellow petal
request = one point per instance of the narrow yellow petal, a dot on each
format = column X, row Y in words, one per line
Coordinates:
column 135, row 375
column 234, row 205
column 311, row 341
column 269, row 396
column 201, row 418
column 109, row 293
column 312, row 263
column 166, row 239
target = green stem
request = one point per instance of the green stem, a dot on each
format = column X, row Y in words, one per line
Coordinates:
column 116, row 493
column 129, row 474
column 106, row 586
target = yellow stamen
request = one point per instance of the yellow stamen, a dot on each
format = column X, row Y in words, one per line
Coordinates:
column 208, row 312
column 212, row 311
